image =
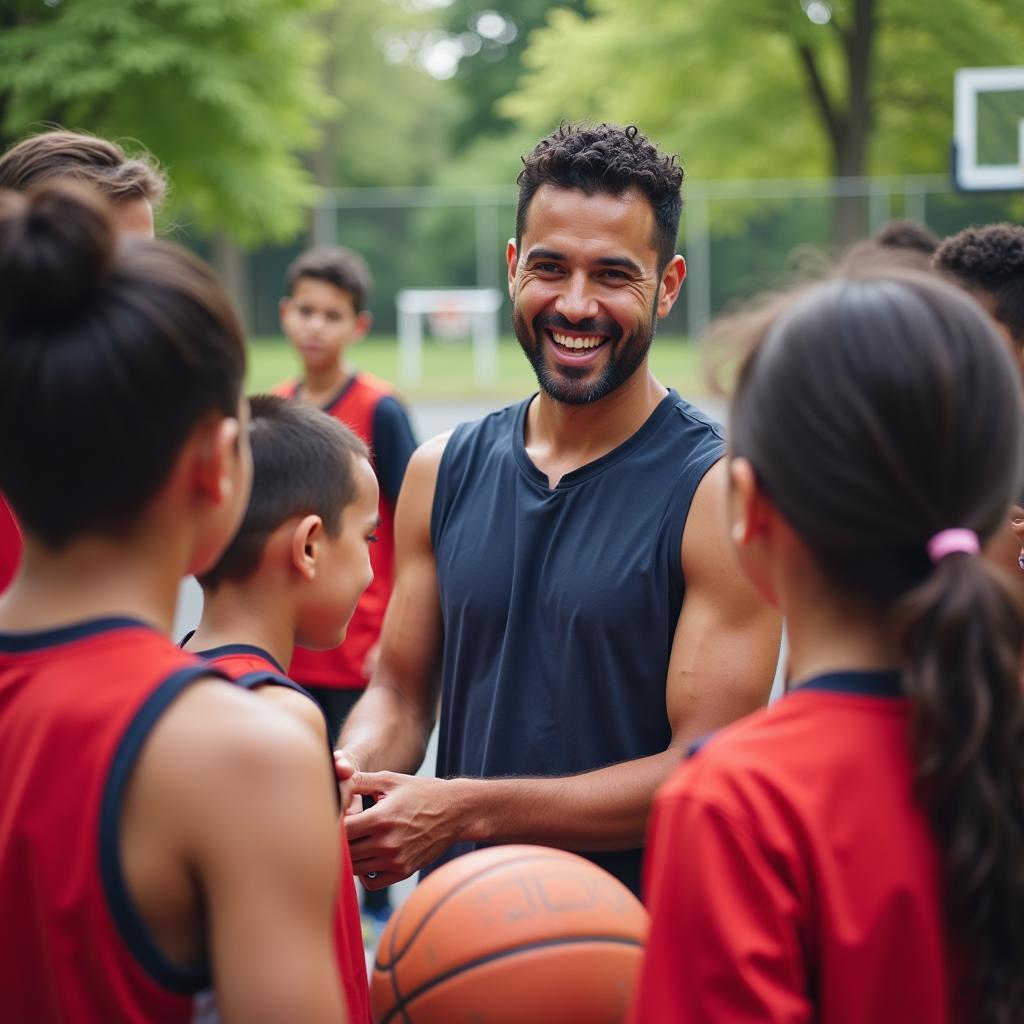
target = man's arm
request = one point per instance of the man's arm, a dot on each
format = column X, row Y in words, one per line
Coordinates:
column 391, row 723
column 247, row 793
column 723, row 659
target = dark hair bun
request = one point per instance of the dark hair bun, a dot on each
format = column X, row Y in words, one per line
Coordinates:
column 57, row 244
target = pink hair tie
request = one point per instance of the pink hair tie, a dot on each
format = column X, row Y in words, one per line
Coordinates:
column 948, row 542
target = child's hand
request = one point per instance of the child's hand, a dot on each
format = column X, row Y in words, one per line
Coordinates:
column 345, row 768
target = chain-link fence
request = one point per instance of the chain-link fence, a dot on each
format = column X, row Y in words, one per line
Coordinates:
column 738, row 236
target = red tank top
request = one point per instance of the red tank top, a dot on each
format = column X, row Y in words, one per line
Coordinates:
column 77, row 704
column 10, row 544
column 342, row 666
column 251, row 666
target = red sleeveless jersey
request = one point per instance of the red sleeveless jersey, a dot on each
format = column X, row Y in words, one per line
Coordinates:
column 342, row 666
column 251, row 666
column 77, row 704
column 10, row 544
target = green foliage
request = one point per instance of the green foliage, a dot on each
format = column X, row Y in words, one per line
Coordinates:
column 223, row 92
column 724, row 83
column 392, row 119
column 486, row 76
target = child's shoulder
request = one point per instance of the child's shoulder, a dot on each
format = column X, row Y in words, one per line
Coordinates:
column 370, row 383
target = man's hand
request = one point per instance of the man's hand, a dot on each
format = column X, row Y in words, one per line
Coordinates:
column 412, row 823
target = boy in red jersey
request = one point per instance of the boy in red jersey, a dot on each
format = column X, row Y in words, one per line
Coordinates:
column 162, row 829
column 323, row 315
column 294, row 572
column 135, row 187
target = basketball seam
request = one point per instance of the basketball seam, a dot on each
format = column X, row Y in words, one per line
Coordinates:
column 444, row 899
column 502, row 954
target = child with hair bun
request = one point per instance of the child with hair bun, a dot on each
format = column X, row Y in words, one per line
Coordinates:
column 167, row 840
column 856, row 852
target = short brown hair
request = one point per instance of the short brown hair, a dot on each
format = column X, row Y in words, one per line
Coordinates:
column 98, row 163
column 303, row 462
column 336, row 265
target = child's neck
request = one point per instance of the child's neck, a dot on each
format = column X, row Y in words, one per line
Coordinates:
column 246, row 614
column 829, row 632
column 321, row 384
column 96, row 578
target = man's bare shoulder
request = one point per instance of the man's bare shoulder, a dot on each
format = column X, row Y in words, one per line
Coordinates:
column 427, row 458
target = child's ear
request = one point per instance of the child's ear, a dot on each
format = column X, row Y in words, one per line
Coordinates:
column 216, row 453
column 283, row 306
column 364, row 321
column 306, row 541
column 749, row 507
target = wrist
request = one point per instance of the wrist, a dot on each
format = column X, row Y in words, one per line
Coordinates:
column 470, row 809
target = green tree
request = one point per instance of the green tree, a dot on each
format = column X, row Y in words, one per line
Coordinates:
column 391, row 121
column 493, row 59
column 225, row 93
column 771, row 88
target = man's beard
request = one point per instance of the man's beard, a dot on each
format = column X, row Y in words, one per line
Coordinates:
column 569, row 384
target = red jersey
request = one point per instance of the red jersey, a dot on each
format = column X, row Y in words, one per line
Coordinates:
column 10, row 544
column 367, row 406
column 792, row 876
column 251, row 666
column 77, row 704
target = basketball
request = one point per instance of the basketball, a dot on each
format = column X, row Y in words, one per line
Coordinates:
column 510, row 935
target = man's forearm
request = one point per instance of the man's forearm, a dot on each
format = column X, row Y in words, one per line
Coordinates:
column 384, row 732
column 601, row 810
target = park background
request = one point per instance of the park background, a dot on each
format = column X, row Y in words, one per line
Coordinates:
column 396, row 127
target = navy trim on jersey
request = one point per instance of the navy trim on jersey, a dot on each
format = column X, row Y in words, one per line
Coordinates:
column 881, row 683
column 219, row 652
column 336, row 397
column 19, row 643
column 264, row 677
column 129, row 922
column 393, row 445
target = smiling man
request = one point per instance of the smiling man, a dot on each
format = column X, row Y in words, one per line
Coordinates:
column 565, row 583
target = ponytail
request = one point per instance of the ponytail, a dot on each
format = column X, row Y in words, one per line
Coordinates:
column 963, row 634
column 879, row 411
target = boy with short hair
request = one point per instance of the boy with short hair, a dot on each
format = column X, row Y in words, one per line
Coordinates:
column 323, row 315
column 294, row 572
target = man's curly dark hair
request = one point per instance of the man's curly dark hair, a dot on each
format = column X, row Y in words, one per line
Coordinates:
column 990, row 259
column 606, row 158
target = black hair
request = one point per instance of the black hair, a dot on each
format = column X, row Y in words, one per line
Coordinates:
column 336, row 265
column 606, row 158
column 990, row 259
column 907, row 233
column 877, row 412
column 110, row 355
column 303, row 463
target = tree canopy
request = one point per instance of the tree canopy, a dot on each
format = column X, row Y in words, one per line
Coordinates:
column 769, row 88
column 225, row 93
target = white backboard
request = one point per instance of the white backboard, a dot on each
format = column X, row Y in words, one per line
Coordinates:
column 973, row 170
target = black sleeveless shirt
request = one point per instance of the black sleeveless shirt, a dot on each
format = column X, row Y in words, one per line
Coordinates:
column 560, row 605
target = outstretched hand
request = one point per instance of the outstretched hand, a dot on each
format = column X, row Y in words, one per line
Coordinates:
column 412, row 823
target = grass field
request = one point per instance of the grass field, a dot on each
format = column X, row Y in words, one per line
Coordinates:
column 448, row 372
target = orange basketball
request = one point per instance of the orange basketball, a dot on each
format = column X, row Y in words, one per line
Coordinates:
column 511, row 935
